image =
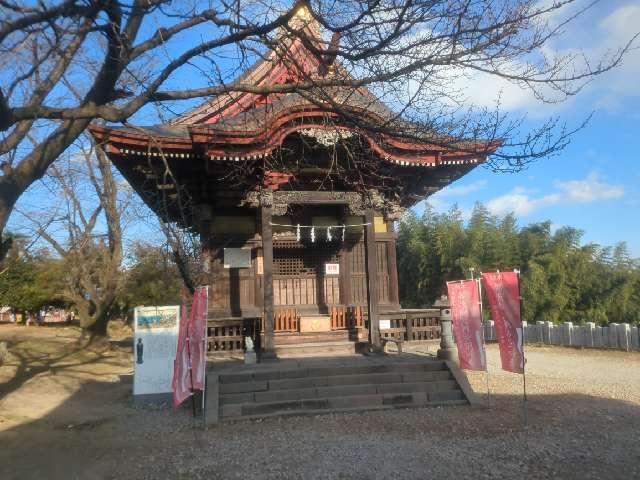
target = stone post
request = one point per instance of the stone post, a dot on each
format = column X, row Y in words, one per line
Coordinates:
column 634, row 334
column 448, row 350
column 540, row 331
column 590, row 328
column 249, row 354
column 613, row 335
column 623, row 336
column 546, row 332
column 567, row 334
column 492, row 330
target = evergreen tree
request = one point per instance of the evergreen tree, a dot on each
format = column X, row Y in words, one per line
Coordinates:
column 561, row 280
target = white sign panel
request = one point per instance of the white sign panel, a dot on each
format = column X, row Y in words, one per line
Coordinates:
column 332, row 269
column 154, row 348
column 237, row 258
column 385, row 324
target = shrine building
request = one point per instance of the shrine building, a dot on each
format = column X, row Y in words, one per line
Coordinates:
column 294, row 196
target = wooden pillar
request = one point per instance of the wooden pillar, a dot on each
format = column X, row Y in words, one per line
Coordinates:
column 393, row 273
column 267, row 277
column 372, row 279
column 345, row 268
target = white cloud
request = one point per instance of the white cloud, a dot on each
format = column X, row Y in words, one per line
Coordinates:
column 438, row 204
column 602, row 42
column 554, row 227
column 589, row 189
column 461, row 190
column 442, row 201
column 617, row 29
column 519, row 203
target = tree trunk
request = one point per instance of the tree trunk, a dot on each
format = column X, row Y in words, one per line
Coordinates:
column 98, row 328
column 8, row 197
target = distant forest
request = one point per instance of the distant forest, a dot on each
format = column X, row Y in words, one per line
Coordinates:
column 562, row 280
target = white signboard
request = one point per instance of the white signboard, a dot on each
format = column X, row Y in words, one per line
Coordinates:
column 237, row 258
column 154, row 348
column 385, row 324
column 332, row 269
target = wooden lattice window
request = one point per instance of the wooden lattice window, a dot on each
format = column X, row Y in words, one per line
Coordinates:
column 295, row 259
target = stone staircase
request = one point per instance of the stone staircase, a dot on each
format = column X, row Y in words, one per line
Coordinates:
column 323, row 388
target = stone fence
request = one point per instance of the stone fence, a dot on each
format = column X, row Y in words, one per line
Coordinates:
column 615, row 335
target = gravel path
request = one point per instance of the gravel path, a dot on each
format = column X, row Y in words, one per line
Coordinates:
column 584, row 422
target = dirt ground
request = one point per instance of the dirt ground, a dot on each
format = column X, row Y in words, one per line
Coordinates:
column 67, row 413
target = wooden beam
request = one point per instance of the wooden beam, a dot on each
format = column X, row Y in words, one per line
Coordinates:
column 372, row 280
column 267, row 277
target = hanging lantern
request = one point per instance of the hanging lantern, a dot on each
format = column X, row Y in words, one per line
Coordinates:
column 298, row 233
column 313, row 234
column 329, row 237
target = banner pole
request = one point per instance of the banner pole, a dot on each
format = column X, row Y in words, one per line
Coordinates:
column 484, row 343
column 188, row 339
column 525, row 413
column 524, row 386
column 204, row 361
column 193, row 398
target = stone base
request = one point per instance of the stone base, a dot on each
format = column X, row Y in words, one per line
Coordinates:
column 153, row 400
column 449, row 354
column 267, row 355
column 318, row 323
column 250, row 358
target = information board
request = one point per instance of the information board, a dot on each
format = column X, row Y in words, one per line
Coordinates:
column 237, row 258
column 154, row 348
column 385, row 324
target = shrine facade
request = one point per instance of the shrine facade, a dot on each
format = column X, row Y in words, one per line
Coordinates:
column 294, row 196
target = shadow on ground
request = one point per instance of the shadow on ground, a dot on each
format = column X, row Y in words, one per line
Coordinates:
column 97, row 433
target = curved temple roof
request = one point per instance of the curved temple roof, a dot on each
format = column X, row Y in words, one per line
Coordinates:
column 241, row 125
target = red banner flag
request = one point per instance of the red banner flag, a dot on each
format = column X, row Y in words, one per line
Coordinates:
column 197, row 336
column 503, row 294
column 189, row 368
column 181, row 383
column 467, row 324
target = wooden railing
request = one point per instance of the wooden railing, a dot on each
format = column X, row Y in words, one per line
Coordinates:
column 412, row 325
column 347, row 317
column 423, row 324
column 227, row 335
column 285, row 319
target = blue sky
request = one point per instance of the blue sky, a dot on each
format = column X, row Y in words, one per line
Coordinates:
column 593, row 184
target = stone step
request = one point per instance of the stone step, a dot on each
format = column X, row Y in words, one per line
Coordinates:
column 332, row 369
column 342, row 403
column 267, row 396
column 315, row 387
column 334, row 381
column 316, row 349
column 318, row 337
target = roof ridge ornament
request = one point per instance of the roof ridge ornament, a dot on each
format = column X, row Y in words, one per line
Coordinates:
column 303, row 18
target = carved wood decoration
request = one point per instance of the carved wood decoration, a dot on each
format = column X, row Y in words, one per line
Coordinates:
column 355, row 202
